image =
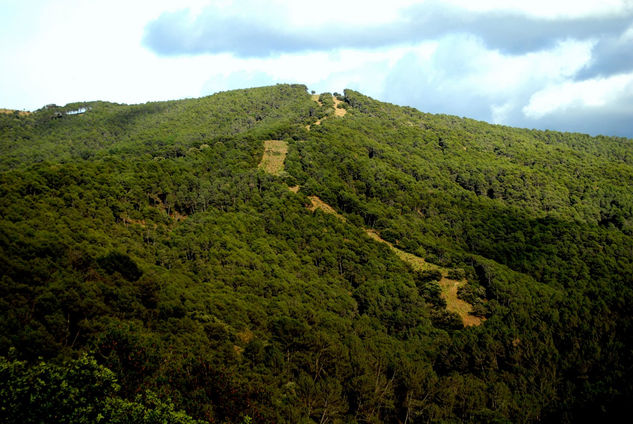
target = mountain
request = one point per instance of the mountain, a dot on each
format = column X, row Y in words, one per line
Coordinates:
column 265, row 255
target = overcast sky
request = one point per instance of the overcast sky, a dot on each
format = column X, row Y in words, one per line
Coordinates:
column 558, row 64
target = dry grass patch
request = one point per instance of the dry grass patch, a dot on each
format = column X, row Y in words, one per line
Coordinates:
column 416, row 262
column 173, row 214
column 294, row 189
column 177, row 216
column 127, row 220
column 10, row 111
column 338, row 111
column 320, row 204
column 245, row 336
column 275, row 152
column 316, row 123
column 449, row 287
column 455, row 304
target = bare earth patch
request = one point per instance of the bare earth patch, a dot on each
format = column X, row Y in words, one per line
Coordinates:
column 275, row 152
column 338, row 111
column 416, row 262
column 320, row 204
column 455, row 304
column 10, row 111
column 294, row 189
column 449, row 287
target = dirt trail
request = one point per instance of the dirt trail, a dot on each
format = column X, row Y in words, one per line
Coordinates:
column 416, row 262
column 339, row 112
column 318, row 122
column 273, row 162
column 449, row 287
column 274, row 156
column 320, row 204
column 455, row 304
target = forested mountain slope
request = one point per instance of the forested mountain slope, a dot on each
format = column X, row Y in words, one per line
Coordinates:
column 147, row 252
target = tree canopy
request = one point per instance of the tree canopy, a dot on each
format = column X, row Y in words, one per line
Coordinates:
column 151, row 271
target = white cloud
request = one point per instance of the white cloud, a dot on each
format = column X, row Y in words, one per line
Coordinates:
column 462, row 76
column 321, row 71
column 72, row 50
column 500, row 113
column 342, row 12
column 594, row 93
column 549, row 8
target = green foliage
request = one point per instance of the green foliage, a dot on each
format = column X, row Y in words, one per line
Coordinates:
column 80, row 391
column 121, row 263
column 146, row 236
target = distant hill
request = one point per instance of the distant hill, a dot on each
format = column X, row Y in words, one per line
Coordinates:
column 263, row 256
column 12, row 111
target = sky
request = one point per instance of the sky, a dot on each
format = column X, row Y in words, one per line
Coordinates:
column 564, row 65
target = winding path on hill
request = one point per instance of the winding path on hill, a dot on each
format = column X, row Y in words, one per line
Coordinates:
column 320, row 204
column 338, row 111
column 448, row 286
column 272, row 162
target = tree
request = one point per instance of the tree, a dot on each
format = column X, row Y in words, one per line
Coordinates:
column 79, row 391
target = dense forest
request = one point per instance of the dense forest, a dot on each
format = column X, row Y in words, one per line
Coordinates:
column 151, row 271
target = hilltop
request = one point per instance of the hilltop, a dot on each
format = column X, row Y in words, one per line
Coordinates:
column 265, row 255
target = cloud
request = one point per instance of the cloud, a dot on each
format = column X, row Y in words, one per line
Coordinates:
column 614, row 119
column 585, row 106
column 266, row 32
column 463, row 76
column 592, row 93
column 548, row 8
column 611, row 55
column 510, row 31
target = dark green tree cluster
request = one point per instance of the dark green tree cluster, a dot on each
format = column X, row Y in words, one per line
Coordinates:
column 81, row 391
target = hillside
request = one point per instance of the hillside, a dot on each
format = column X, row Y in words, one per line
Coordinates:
column 265, row 256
